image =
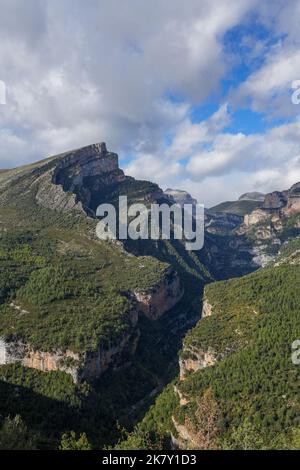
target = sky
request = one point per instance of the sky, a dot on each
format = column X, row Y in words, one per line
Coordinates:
column 192, row 95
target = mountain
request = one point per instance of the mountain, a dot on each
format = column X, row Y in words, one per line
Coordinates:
column 90, row 329
column 180, row 197
column 276, row 222
column 83, row 321
column 240, row 207
column 254, row 196
column 69, row 301
column 260, row 226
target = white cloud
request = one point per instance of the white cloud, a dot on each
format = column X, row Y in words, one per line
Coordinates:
column 268, row 89
column 102, row 70
column 190, row 136
column 232, row 164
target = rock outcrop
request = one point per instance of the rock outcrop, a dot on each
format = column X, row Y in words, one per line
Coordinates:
column 273, row 216
column 194, row 359
column 76, row 176
column 206, row 309
column 275, row 200
column 154, row 302
column 255, row 217
column 180, row 197
column 221, row 223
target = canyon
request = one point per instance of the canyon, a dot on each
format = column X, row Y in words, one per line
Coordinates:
column 112, row 314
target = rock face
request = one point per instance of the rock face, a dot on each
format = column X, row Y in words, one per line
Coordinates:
column 185, row 439
column 221, row 222
column 293, row 203
column 180, row 197
column 76, row 176
column 81, row 366
column 162, row 297
column 195, row 359
column 255, row 217
column 17, row 352
column 206, row 309
column 278, row 206
column 275, row 200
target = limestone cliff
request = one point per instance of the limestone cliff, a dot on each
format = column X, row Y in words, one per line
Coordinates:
column 194, row 357
column 206, row 309
column 76, row 176
column 64, row 182
column 277, row 207
column 160, row 298
column 87, row 365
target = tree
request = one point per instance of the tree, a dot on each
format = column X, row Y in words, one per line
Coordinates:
column 69, row 441
column 14, row 435
column 245, row 437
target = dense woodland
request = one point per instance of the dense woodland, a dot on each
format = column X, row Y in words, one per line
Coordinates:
column 255, row 384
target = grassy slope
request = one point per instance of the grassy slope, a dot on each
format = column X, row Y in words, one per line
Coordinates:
column 236, row 207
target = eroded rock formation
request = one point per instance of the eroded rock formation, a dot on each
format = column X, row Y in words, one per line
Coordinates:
column 76, row 176
column 161, row 297
column 195, row 359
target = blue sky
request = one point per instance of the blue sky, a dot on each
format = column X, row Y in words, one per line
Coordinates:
column 192, row 95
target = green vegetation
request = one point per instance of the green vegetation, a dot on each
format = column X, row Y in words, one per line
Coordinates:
column 71, row 442
column 255, row 384
column 237, row 207
column 62, row 288
column 14, row 435
column 289, row 253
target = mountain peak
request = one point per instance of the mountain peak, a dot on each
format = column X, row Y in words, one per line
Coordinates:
column 252, row 196
column 66, row 181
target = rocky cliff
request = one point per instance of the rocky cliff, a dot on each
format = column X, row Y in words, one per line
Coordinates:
column 91, row 364
column 277, row 206
column 194, row 357
column 180, row 197
column 76, row 177
column 87, row 365
column 160, row 298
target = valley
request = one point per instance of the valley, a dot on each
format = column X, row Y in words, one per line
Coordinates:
column 91, row 330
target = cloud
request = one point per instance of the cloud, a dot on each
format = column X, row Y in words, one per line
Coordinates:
column 190, row 136
column 105, row 70
column 268, row 88
column 223, row 165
